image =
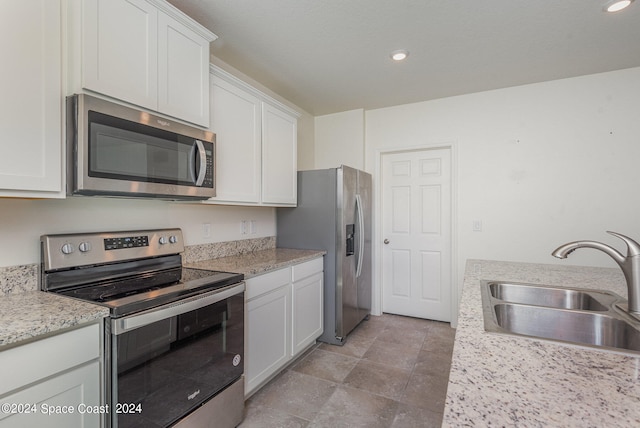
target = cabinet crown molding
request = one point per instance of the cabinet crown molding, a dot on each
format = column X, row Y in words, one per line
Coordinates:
column 223, row 74
column 183, row 18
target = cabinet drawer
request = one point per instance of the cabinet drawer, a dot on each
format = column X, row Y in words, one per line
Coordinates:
column 28, row 363
column 262, row 284
column 306, row 269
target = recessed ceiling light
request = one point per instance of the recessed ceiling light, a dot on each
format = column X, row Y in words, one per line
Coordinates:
column 616, row 5
column 399, row 55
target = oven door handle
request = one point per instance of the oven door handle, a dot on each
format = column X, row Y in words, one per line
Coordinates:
column 123, row 325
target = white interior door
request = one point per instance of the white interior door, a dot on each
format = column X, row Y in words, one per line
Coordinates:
column 416, row 229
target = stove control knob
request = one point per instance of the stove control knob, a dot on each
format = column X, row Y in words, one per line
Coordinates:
column 67, row 249
column 173, row 239
column 163, row 240
column 84, row 247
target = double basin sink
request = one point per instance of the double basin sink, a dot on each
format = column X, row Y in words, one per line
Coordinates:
column 579, row 316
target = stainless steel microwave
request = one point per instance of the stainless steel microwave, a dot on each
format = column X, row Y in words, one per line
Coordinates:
column 114, row 150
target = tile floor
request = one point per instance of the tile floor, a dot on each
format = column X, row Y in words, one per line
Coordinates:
column 392, row 372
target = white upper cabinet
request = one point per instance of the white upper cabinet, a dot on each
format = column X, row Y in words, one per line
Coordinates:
column 31, row 103
column 183, row 71
column 235, row 119
column 120, row 50
column 279, row 156
column 256, row 142
column 144, row 52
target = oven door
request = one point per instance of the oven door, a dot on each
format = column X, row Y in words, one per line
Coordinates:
column 169, row 361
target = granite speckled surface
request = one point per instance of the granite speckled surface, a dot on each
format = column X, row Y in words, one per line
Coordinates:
column 258, row 262
column 18, row 279
column 34, row 313
column 26, row 313
column 196, row 253
column 500, row 380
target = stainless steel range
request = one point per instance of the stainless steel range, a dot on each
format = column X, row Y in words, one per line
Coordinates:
column 174, row 341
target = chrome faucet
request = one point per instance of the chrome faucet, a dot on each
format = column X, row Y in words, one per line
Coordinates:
column 630, row 264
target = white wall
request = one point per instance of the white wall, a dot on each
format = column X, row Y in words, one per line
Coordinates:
column 306, row 154
column 339, row 139
column 22, row 221
column 539, row 164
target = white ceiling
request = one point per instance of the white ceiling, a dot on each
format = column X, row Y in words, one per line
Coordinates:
column 328, row 56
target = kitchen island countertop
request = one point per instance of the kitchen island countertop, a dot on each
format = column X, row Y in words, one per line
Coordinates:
column 32, row 314
column 258, row 262
column 500, row 380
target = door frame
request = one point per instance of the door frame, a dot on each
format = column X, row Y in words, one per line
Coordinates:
column 376, row 307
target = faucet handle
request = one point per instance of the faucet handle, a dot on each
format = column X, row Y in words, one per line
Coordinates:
column 633, row 248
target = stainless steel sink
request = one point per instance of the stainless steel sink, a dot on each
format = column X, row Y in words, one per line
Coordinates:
column 553, row 297
column 585, row 317
column 586, row 328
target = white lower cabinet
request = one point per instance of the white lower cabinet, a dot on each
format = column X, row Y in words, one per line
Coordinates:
column 306, row 321
column 53, row 382
column 284, row 317
column 268, row 330
column 66, row 400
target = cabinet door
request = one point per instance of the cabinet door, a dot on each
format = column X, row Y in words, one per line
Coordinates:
column 31, row 147
column 279, row 156
column 235, row 119
column 23, row 365
column 120, row 51
column 268, row 336
column 59, row 401
column 183, row 72
column 306, row 321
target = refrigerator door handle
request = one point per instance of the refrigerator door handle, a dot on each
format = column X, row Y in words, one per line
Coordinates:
column 360, row 235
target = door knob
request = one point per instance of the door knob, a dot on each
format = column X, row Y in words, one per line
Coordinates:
column 386, row 241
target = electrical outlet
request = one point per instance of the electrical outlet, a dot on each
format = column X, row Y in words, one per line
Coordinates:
column 206, row 230
column 477, row 268
column 243, row 227
column 252, row 227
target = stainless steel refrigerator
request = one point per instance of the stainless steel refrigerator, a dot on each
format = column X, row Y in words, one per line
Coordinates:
column 334, row 214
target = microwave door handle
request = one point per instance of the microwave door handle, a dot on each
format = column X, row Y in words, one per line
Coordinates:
column 201, row 154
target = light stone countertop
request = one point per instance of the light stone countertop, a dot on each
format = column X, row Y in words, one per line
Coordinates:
column 258, row 262
column 500, row 380
column 31, row 314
